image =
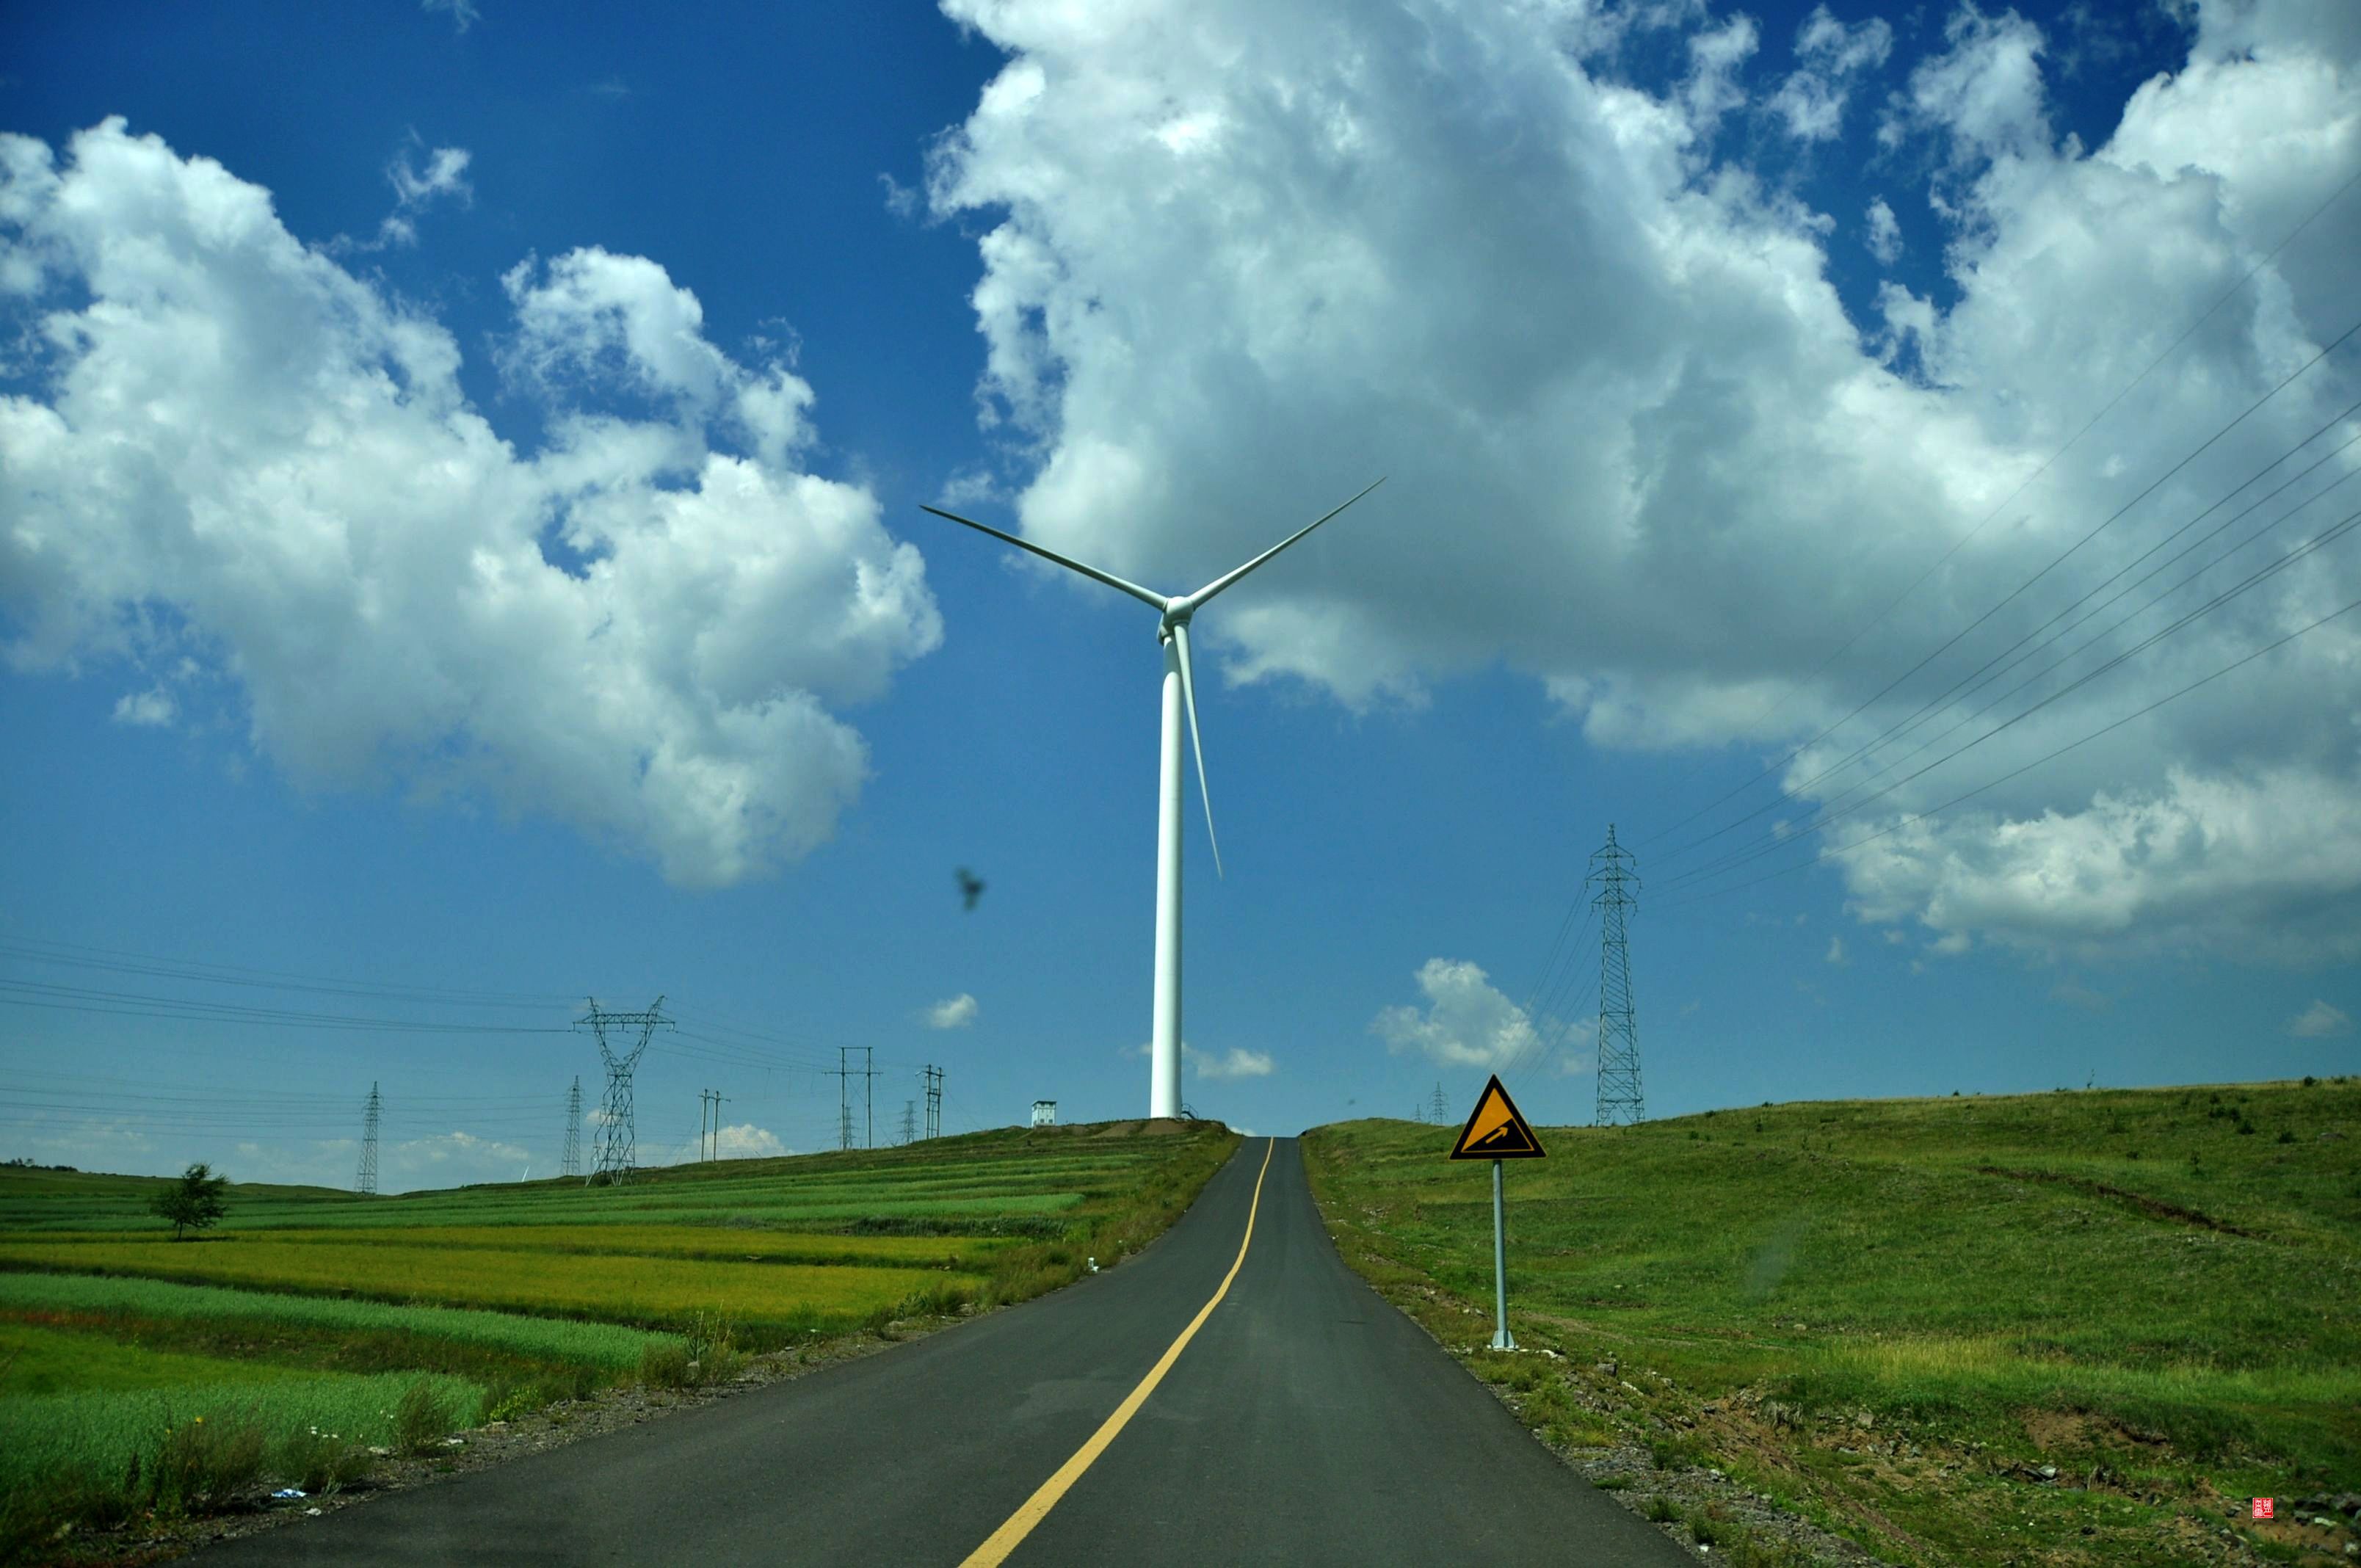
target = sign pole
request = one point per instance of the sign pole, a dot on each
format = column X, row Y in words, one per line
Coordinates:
column 1497, row 1131
column 1501, row 1338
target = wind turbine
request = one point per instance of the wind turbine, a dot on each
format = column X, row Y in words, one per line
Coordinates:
column 1179, row 692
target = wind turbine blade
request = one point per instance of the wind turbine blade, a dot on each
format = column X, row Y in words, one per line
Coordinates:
column 1196, row 743
column 1109, row 578
column 1218, row 584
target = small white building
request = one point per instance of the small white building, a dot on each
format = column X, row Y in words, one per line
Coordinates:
column 1045, row 1113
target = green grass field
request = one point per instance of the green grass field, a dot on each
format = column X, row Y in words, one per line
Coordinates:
column 1894, row 1313
column 765, row 1298
column 297, row 1326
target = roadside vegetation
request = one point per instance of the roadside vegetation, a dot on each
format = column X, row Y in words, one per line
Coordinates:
column 310, row 1338
column 2078, row 1328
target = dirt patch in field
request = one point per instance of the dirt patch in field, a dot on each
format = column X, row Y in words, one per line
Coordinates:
column 2073, row 1432
column 2145, row 1205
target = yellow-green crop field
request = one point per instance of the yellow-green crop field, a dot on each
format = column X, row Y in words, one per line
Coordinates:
column 711, row 1241
column 309, row 1321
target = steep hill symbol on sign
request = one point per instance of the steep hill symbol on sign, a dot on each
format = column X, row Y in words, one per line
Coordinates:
column 1497, row 1130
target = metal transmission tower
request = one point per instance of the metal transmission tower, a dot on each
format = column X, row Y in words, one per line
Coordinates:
column 909, row 1120
column 618, row 1142
column 934, row 1101
column 1439, row 1108
column 366, row 1180
column 572, row 1164
column 1618, row 1039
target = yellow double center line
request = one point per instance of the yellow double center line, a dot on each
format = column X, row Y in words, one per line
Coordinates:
column 1036, row 1507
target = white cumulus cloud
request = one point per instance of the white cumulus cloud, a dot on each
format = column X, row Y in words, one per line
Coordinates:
column 1467, row 1022
column 741, row 1141
column 954, row 1012
column 415, row 188
column 2318, row 1022
column 463, row 13
column 1885, row 231
column 1640, row 450
column 239, row 453
column 1235, row 1062
column 1810, row 102
column 151, row 707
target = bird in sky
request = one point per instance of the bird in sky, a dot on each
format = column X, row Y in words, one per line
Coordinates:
column 971, row 887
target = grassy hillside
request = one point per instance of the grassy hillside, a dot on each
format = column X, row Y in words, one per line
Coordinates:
column 2070, row 1328
column 140, row 1373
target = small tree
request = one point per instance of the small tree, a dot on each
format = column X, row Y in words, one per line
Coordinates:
column 193, row 1202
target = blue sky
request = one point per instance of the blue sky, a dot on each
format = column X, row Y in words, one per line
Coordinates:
column 459, row 542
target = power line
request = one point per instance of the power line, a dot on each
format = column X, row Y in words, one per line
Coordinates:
column 1987, row 674
column 743, row 1049
column 1895, row 730
column 1992, row 783
column 80, row 956
column 2012, row 595
column 1833, row 815
column 2331, row 534
column 1879, row 618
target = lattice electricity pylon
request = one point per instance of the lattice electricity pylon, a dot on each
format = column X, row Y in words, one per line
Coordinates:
column 1619, row 1036
column 617, row 1146
column 365, row 1180
column 572, row 1164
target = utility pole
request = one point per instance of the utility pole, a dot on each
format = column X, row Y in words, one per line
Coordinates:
column 843, row 1100
column 869, row 1092
column 572, row 1164
column 1618, row 1037
column 709, row 1097
column 934, row 1101
column 909, row 1120
column 366, row 1179
column 617, row 1146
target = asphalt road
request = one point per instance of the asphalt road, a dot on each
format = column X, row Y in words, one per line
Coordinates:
column 1307, row 1422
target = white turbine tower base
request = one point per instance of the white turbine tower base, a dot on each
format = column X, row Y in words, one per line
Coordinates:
column 1179, row 695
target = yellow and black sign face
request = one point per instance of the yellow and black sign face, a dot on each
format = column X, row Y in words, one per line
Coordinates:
column 1496, row 1130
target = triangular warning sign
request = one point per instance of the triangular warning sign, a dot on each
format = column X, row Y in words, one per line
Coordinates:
column 1496, row 1130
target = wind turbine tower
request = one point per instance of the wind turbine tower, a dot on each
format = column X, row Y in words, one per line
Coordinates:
column 1174, row 611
